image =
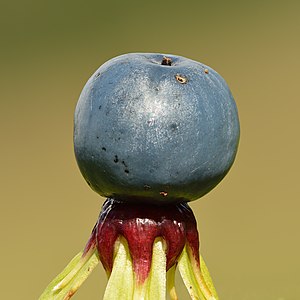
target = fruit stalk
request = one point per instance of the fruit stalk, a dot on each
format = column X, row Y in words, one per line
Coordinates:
column 140, row 247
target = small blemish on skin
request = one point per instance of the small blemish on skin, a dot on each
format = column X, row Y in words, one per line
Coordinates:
column 126, row 171
column 174, row 126
column 69, row 295
column 206, row 71
column 151, row 122
column 103, row 148
column 166, row 61
column 164, row 194
column 116, row 159
column 181, row 79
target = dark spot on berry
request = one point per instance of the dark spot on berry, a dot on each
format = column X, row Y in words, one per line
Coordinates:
column 166, row 61
column 174, row 126
column 103, row 148
column 116, row 159
column 151, row 122
column 126, row 171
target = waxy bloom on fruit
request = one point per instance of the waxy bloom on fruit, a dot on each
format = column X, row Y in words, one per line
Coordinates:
column 151, row 133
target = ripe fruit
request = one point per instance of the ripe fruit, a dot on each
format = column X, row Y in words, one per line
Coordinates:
column 155, row 128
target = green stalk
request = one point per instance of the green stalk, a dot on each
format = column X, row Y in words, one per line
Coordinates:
column 121, row 280
column 122, row 283
column 196, row 278
column 171, row 282
column 65, row 285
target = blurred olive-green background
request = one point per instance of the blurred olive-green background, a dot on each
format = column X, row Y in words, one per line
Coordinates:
column 249, row 224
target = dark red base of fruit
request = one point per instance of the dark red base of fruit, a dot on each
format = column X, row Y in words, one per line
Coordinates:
column 140, row 225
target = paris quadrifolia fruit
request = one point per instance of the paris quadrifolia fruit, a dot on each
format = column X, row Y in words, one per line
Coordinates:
column 152, row 132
